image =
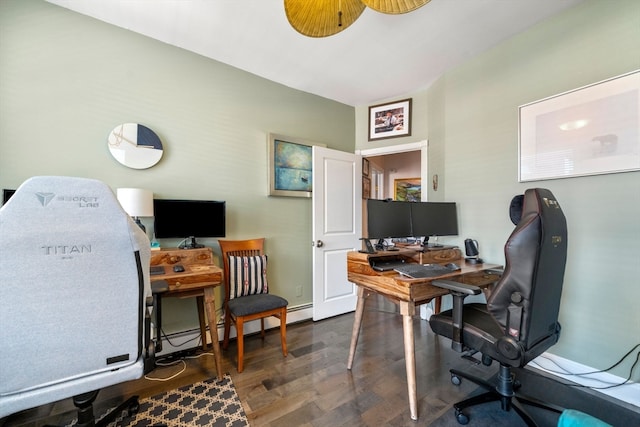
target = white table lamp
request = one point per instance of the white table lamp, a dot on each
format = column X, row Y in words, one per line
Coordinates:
column 137, row 202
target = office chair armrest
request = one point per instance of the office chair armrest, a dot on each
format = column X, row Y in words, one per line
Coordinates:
column 457, row 287
column 459, row 291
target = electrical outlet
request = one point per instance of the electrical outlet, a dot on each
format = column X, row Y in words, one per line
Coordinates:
column 299, row 291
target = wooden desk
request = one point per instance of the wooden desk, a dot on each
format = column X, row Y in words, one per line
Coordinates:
column 199, row 280
column 408, row 294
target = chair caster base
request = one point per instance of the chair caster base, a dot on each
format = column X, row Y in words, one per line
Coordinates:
column 462, row 418
column 455, row 380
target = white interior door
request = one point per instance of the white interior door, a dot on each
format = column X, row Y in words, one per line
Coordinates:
column 337, row 227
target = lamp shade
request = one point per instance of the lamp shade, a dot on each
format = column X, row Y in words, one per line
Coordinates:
column 136, row 202
column 322, row 18
column 395, row 7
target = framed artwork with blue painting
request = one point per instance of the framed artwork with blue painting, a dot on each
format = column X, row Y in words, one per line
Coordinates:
column 290, row 166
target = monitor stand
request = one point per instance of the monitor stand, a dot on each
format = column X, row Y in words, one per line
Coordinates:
column 382, row 247
column 426, row 244
column 192, row 245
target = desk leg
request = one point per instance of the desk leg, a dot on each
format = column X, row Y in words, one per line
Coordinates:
column 437, row 305
column 201, row 319
column 408, row 309
column 210, row 306
column 357, row 321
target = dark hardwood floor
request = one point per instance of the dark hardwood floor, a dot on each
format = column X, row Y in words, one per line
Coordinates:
column 312, row 386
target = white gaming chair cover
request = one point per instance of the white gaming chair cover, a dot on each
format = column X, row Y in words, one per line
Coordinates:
column 73, row 284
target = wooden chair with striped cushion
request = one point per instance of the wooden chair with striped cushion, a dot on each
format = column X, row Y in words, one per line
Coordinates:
column 247, row 294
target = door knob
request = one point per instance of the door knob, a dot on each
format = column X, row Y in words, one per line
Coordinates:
column 319, row 244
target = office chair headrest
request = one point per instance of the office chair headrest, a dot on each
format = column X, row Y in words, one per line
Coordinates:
column 515, row 208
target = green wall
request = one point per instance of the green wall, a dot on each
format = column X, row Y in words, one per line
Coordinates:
column 472, row 115
column 66, row 80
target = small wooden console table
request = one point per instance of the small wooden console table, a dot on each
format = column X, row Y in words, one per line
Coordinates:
column 199, row 279
column 408, row 294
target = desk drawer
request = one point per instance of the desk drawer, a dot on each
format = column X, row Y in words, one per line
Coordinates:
column 478, row 278
column 198, row 281
column 182, row 256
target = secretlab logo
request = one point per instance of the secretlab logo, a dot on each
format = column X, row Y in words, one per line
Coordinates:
column 82, row 201
column 551, row 203
column 45, row 198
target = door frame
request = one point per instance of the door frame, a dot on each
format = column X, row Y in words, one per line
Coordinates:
column 421, row 146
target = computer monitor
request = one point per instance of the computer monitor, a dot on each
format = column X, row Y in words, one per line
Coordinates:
column 433, row 219
column 189, row 219
column 388, row 219
column 6, row 195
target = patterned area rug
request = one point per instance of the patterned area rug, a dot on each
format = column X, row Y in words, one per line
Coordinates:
column 206, row 404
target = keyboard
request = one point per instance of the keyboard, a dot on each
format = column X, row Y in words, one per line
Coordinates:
column 156, row 270
column 420, row 271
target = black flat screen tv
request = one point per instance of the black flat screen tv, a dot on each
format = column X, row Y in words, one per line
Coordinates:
column 189, row 220
column 434, row 219
column 6, row 195
column 388, row 219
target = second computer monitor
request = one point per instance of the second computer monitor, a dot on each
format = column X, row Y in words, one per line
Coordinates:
column 434, row 219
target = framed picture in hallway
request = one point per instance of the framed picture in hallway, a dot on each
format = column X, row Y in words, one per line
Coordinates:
column 407, row 189
column 591, row 130
column 390, row 120
column 290, row 166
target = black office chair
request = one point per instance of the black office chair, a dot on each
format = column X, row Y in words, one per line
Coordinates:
column 520, row 320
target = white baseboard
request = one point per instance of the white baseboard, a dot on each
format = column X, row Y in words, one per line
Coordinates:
column 185, row 339
column 629, row 392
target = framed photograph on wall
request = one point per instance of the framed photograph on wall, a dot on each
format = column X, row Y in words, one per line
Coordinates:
column 390, row 120
column 366, row 187
column 365, row 167
column 587, row 131
column 290, row 166
column 407, row 189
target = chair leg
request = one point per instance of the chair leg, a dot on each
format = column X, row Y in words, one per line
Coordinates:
column 240, row 340
column 84, row 404
column 283, row 331
column 522, row 412
column 227, row 329
column 489, row 396
column 262, row 328
column 505, row 392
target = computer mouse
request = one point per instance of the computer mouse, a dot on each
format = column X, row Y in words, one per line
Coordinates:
column 178, row 268
column 452, row 266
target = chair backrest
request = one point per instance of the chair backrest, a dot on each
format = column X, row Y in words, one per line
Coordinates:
column 73, row 283
column 249, row 247
column 526, row 300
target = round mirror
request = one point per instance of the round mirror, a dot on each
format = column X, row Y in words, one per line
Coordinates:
column 135, row 146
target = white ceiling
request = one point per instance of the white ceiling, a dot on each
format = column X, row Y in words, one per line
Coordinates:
column 378, row 57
